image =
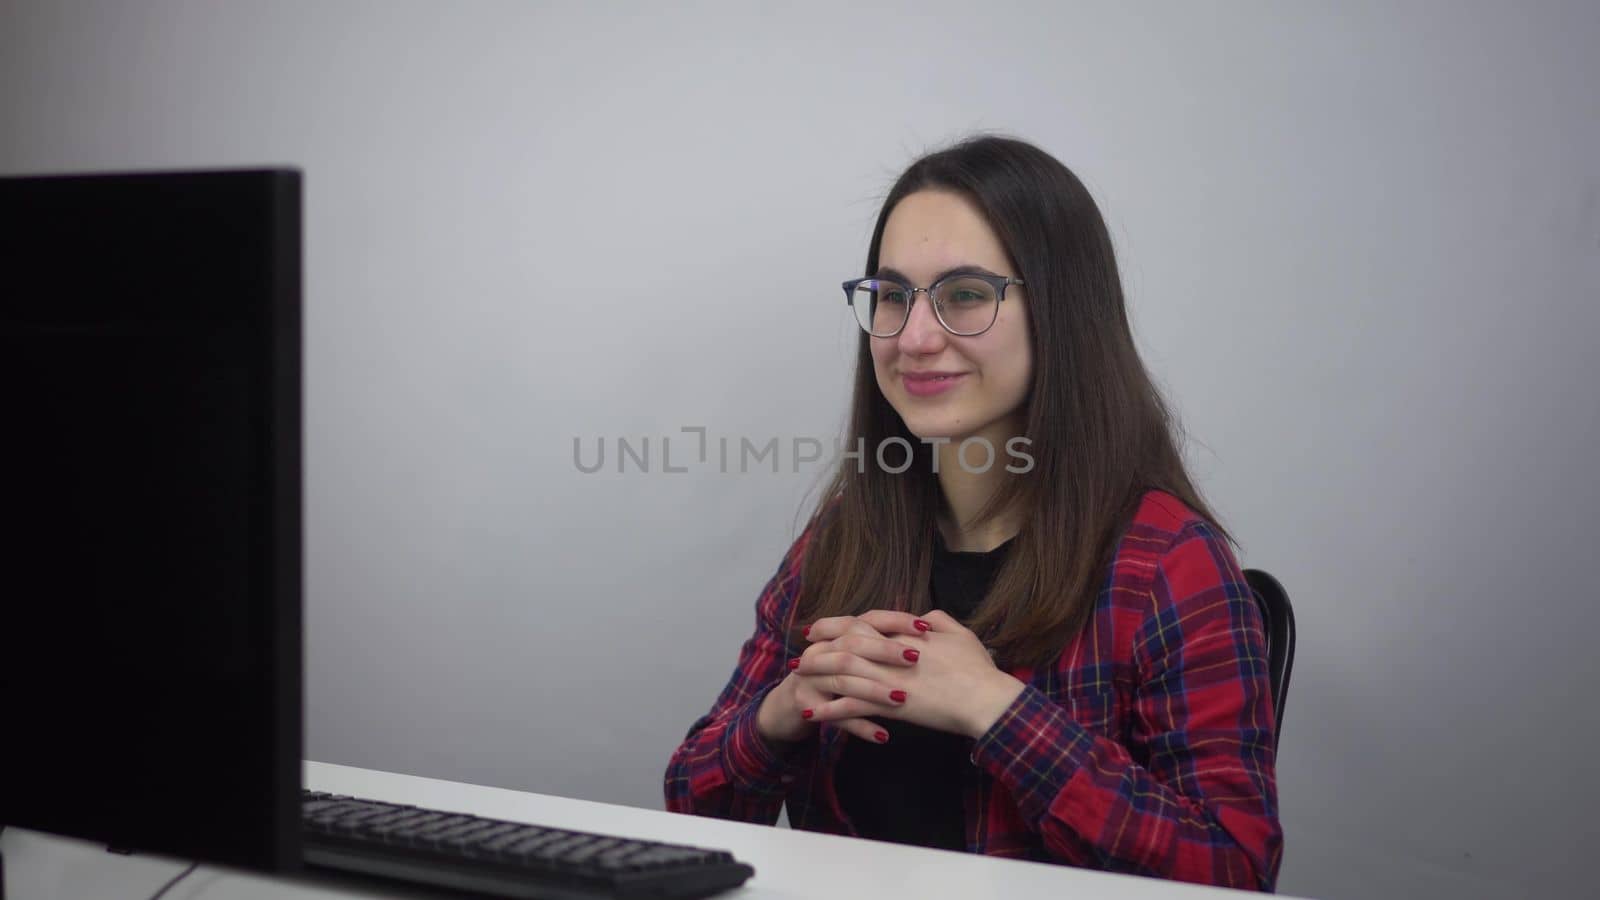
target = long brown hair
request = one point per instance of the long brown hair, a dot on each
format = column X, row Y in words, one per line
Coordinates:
column 1100, row 432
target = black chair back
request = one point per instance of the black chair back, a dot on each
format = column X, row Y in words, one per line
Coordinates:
column 1278, row 616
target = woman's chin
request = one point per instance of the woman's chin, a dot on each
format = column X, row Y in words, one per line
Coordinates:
column 936, row 430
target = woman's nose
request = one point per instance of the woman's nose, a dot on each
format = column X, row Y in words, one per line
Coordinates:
column 922, row 331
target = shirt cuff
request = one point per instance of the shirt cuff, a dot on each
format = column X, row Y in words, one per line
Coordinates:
column 752, row 763
column 1034, row 749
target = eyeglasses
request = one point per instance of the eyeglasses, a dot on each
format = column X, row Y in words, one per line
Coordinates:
column 966, row 305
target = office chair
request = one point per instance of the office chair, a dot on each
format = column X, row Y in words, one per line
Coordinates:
column 1278, row 617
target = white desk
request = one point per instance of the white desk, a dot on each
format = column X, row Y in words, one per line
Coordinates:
column 788, row 864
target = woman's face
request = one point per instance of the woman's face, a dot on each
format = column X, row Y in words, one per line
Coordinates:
column 929, row 233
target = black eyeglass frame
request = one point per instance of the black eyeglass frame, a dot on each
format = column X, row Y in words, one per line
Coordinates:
column 998, row 282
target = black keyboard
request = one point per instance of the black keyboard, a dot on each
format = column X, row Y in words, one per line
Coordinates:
column 503, row 859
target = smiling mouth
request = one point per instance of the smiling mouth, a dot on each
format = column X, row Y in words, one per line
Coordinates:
column 930, row 385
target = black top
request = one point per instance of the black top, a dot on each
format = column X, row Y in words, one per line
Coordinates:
column 909, row 790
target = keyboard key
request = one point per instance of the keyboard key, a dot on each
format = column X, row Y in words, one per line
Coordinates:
column 433, row 837
column 514, row 836
column 352, row 821
column 525, row 848
column 617, row 857
column 555, row 850
column 477, row 836
column 404, row 827
column 588, row 850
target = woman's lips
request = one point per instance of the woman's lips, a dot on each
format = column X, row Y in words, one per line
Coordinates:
column 928, row 386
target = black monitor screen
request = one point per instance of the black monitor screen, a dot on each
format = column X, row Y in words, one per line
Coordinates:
column 150, row 500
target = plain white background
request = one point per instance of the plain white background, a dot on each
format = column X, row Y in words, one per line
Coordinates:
column 1361, row 244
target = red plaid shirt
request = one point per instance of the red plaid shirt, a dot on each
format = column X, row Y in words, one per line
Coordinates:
column 1146, row 747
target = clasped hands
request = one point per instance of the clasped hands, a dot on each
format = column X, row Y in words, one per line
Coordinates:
column 931, row 671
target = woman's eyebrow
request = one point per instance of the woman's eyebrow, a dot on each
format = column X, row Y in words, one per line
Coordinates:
column 896, row 275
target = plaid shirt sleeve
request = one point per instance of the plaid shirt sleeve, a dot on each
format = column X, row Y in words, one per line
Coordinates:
column 724, row 768
column 1199, row 802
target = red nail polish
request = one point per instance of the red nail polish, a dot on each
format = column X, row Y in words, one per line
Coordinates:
column 794, row 664
column 882, row 737
column 807, row 713
column 897, row 696
column 806, row 631
column 911, row 654
column 921, row 625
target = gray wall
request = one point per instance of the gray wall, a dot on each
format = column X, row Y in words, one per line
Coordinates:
column 1361, row 243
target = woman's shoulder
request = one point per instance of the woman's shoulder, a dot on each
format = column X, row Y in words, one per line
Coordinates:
column 1162, row 520
column 1164, row 528
column 1176, row 574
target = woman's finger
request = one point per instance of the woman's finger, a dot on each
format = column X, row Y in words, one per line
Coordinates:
column 837, row 709
column 847, row 713
column 882, row 622
column 860, row 688
column 830, row 659
column 890, row 622
column 878, row 649
column 942, row 622
column 832, row 627
column 866, row 729
column 808, row 699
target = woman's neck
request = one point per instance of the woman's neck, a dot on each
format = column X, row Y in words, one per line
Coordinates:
column 966, row 490
column 976, row 540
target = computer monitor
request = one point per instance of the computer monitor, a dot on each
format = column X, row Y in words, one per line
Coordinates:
column 150, row 552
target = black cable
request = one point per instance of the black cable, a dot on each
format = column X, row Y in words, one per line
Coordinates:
column 179, row 877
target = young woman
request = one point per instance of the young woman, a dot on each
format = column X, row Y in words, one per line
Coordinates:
column 1011, row 626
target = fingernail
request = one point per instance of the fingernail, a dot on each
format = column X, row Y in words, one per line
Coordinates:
column 806, row 631
column 921, row 625
column 911, row 654
column 794, row 664
column 807, row 713
column 897, row 696
column 882, row 737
